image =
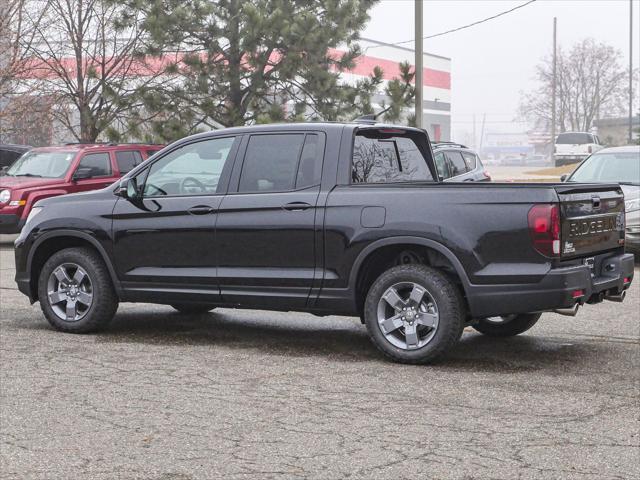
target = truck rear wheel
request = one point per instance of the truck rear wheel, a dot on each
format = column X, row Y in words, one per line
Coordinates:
column 414, row 313
column 75, row 291
column 507, row 325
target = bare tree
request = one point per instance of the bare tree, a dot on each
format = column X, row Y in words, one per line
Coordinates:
column 16, row 35
column 590, row 85
column 90, row 63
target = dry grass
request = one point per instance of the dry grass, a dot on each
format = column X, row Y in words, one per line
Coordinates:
column 555, row 171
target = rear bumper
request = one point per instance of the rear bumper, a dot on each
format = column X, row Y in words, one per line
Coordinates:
column 10, row 223
column 556, row 290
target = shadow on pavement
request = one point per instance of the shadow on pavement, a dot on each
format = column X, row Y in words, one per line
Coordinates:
column 338, row 339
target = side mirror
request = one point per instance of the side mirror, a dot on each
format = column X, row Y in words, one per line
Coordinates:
column 82, row 173
column 563, row 178
column 128, row 188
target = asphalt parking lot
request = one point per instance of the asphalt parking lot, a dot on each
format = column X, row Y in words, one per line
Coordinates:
column 252, row 394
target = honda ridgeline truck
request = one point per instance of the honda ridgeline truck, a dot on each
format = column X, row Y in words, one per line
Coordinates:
column 332, row 219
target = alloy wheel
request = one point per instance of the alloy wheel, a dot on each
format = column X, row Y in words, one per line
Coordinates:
column 70, row 292
column 408, row 315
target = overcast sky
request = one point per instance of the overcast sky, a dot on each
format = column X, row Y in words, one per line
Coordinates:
column 493, row 62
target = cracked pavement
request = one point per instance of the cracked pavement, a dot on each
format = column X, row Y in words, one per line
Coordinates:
column 253, row 394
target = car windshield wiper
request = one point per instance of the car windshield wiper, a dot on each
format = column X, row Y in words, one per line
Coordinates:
column 629, row 183
column 27, row 175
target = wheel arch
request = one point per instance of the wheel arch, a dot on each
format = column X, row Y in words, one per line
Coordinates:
column 53, row 242
column 370, row 252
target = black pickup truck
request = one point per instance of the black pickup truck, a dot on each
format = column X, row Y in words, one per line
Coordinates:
column 327, row 218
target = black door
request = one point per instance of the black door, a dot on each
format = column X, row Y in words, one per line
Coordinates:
column 266, row 229
column 164, row 237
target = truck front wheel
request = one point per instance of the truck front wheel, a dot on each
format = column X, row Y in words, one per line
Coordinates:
column 507, row 325
column 414, row 313
column 75, row 291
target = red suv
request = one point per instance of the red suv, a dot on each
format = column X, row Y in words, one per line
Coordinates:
column 51, row 171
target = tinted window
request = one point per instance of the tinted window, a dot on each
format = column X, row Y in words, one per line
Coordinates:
column 271, row 163
column 387, row 159
column 470, row 160
column 99, row 163
column 128, row 160
column 310, row 167
column 441, row 165
column 192, row 169
column 457, row 163
column 573, row 138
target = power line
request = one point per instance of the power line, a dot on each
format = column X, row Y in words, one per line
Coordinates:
column 464, row 26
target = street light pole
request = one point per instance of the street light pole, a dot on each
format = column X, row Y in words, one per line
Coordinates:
column 630, row 71
column 553, row 93
column 418, row 63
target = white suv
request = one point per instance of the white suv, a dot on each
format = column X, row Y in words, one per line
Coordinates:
column 573, row 147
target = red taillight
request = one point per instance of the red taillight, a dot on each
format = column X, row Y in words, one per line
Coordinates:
column 544, row 228
column 578, row 294
column 590, row 150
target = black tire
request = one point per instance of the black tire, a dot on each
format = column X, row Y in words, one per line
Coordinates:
column 510, row 326
column 445, row 294
column 104, row 299
column 192, row 308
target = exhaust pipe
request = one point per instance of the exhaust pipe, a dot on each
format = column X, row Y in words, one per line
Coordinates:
column 569, row 312
column 616, row 298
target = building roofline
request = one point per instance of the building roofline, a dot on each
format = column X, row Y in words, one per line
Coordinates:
column 385, row 44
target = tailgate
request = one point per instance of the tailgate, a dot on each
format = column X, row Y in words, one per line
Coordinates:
column 592, row 218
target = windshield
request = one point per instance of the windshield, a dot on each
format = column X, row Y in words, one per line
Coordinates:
column 609, row 167
column 573, row 139
column 42, row 164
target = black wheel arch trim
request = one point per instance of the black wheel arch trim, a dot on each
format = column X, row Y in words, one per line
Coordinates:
column 83, row 236
column 399, row 240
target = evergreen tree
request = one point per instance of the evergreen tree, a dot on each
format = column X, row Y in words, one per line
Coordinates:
column 237, row 62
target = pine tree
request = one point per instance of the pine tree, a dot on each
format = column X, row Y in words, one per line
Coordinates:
column 237, row 62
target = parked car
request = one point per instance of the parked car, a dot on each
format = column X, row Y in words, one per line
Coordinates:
column 619, row 165
column 573, row 147
column 457, row 163
column 327, row 218
column 52, row 171
column 9, row 153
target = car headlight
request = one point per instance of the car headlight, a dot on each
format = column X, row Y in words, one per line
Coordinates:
column 629, row 205
column 5, row 196
column 34, row 211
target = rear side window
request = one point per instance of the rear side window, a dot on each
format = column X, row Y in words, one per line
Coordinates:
column 128, row 160
column 271, row 163
column 573, row 139
column 99, row 164
column 310, row 167
column 382, row 158
column 441, row 165
column 457, row 163
column 470, row 160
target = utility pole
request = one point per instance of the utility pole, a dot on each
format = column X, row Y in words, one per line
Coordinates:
column 630, row 71
column 418, row 62
column 553, row 93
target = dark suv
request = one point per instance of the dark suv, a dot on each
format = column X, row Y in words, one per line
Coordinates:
column 9, row 153
column 457, row 163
